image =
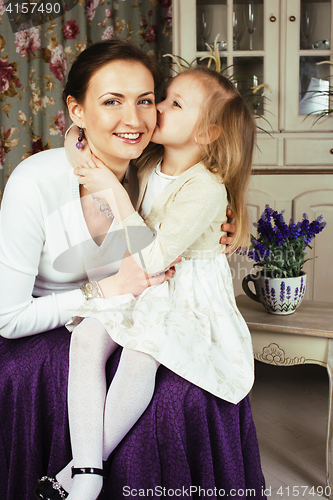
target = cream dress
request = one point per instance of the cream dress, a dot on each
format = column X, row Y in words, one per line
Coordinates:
column 190, row 323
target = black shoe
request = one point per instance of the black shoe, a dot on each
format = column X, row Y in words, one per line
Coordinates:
column 48, row 488
column 87, row 470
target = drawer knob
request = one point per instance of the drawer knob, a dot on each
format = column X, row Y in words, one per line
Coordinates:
column 292, row 19
column 272, row 19
column 331, row 151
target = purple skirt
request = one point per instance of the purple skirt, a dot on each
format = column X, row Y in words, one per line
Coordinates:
column 187, row 444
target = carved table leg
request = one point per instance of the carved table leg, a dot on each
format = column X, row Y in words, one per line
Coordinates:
column 329, row 437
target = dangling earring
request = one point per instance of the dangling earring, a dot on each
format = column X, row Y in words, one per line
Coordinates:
column 80, row 139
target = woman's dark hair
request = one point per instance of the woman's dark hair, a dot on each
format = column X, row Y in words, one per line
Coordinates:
column 99, row 54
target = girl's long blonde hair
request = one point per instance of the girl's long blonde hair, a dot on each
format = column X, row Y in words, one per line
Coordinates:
column 230, row 154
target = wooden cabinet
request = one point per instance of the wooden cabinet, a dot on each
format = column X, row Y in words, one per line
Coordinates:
column 304, row 82
column 293, row 166
column 289, row 39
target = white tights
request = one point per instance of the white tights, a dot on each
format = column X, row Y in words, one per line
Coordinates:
column 99, row 421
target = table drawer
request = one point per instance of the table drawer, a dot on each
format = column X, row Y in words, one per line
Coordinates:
column 308, row 151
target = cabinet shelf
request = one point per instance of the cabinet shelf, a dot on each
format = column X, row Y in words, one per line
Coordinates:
column 235, row 53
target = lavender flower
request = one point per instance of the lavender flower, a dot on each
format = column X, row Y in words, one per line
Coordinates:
column 282, row 290
column 301, row 286
column 267, row 288
column 279, row 248
column 294, row 230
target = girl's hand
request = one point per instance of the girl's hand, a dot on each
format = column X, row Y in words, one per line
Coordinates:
column 131, row 279
column 105, row 184
column 77, row 157
column 96, row 179
column 230, row 229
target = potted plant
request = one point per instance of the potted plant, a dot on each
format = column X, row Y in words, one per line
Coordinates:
column 279, row 252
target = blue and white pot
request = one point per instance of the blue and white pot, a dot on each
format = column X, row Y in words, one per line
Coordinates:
column 278, row 295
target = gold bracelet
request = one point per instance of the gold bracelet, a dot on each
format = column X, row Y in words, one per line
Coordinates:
column 92, row 290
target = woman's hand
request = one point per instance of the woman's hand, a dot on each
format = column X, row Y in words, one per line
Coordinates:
column 230, row 229
column 131, row 279
column 96, row 179
column 77, row 157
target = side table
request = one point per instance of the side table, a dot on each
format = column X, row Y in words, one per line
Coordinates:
column 306, row 336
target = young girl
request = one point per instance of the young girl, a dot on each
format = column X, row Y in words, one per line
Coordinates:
column 190, row 323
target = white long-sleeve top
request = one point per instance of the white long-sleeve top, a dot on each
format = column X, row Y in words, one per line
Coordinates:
column 46, row 250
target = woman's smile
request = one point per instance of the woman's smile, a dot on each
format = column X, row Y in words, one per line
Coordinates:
column 130, row 137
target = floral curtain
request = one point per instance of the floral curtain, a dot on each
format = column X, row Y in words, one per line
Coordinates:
column 35, row 59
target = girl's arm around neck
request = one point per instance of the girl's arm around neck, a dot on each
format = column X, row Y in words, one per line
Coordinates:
column 119, row 201
column 195, row 207
column 103, row 183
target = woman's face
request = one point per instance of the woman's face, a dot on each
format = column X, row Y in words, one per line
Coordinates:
column 118, row 113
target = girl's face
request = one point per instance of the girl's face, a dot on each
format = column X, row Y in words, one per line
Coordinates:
column 118, row 113
column 177, row 115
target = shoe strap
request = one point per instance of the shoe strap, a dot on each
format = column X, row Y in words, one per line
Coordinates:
column 87, row 470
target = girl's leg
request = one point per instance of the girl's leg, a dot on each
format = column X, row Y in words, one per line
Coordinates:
column 90, row 348
column 129, row 395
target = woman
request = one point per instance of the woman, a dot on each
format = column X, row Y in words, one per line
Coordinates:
column 53, row 240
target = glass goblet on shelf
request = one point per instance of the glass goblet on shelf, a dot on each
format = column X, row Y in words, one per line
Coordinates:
column 204, row 27
column 250, row 20
column 307, row 20
column 237, row 25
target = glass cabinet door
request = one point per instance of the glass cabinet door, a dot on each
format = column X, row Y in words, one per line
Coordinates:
column 309, row 37
column 247, row 41
column 246, row 28
column 285, row 44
